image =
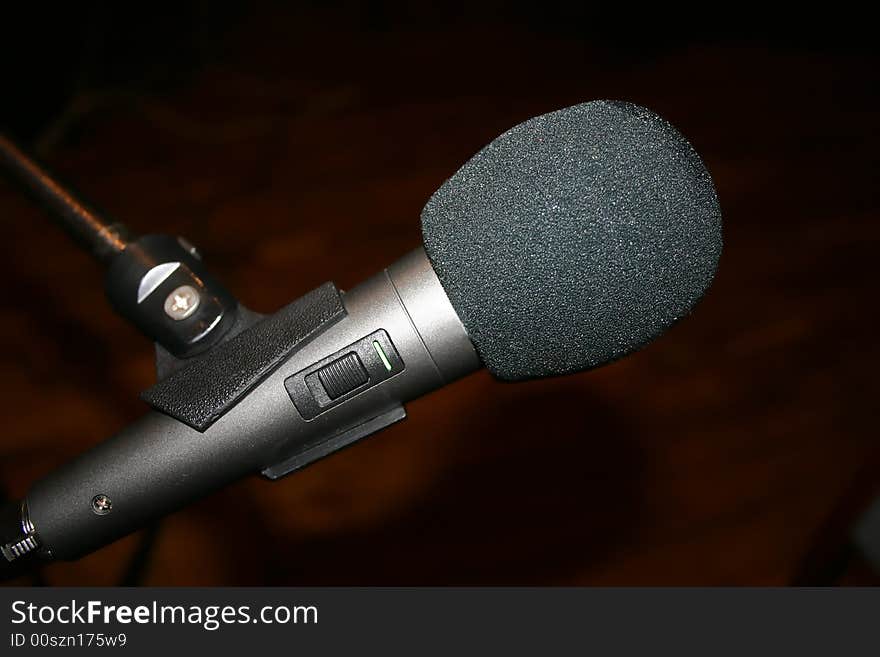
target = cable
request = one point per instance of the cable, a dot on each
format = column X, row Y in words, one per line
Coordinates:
column 138, row 565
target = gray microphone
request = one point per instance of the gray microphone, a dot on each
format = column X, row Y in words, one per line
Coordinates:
column 571, row 240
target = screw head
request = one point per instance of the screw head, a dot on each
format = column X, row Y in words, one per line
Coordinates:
column 182, row 302
column 101, row 504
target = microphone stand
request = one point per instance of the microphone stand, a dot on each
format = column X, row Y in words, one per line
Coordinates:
column 237, row 393
column 165, row 276
column 158, row 283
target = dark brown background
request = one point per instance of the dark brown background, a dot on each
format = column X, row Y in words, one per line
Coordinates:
column 294, row 144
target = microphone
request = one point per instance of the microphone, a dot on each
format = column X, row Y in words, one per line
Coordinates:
column 574, row 238
column 571, row 240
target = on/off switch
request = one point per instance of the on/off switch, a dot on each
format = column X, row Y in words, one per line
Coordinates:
column 350, row 371
column 343, row 375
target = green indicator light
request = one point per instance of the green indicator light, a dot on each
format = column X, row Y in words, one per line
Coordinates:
column 382, row 355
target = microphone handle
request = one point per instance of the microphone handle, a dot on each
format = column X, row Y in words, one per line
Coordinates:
column 399, row 339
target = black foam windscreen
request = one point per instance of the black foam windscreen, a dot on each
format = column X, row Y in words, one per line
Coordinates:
column 574, row 238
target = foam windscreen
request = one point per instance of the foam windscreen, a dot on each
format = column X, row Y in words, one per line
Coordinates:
column 574, row 238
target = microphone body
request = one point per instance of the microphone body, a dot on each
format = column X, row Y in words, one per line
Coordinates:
column 571, row 240
column 159, row 464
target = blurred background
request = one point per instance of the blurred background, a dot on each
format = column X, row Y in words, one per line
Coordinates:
column 295, row 143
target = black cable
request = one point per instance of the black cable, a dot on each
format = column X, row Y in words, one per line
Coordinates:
column 140, row 560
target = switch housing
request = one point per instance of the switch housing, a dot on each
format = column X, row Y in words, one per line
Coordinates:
column 344, row 374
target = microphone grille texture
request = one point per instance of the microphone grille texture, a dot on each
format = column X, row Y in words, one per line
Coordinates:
column 574, row 238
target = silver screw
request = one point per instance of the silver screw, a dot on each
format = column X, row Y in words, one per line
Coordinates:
column 101, row 504
column 182, row 302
